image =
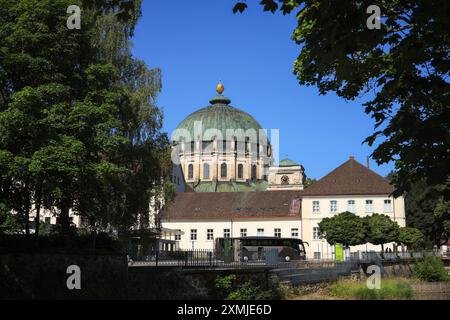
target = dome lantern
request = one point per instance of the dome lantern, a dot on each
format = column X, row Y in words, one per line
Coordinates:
column 220, row 88
column 220, row 99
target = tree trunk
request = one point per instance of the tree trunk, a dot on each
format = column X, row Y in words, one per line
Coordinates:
column 27, row 221
column 27, row 215
column 38, row 210
column 64, row 216
column 38, row 215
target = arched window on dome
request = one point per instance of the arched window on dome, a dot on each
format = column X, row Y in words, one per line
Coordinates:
column 191, row 171
column 254, row 172
column 240, row 171
column 223, row 170
column 205, row 171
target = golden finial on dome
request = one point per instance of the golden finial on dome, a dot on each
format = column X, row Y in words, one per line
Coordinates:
column 220, row 88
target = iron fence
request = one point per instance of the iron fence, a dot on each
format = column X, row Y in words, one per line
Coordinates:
column 207, row 259
column 265, row 258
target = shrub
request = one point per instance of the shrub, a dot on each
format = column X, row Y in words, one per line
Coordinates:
column 431, row 269
column 224, row 284
column 230, row 288
column 390, row 289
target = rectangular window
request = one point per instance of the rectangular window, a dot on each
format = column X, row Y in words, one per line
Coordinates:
column 277, row 232
column 193, row 234
column 226, row 233
column 240, row 171
column 351, row 206
column 47, row 219
column 369, row 206
column 206, row 171
column 177, row 237
column 333, row 206
column 387, row 205
column 316, row 206
column 294, row 232
column 210, row 234
column 316, row 233
column 317, row 255
column 191, row 171
column 243, row 233
column 260, row 232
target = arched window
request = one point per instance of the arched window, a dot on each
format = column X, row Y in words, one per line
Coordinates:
column 223, row 170
column 191, row 171
column 240, row 171
column 254, row 172
column 205, row 171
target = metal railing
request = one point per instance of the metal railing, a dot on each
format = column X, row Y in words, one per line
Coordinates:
column 392, row 256
column 265, row 258
column 207, row 259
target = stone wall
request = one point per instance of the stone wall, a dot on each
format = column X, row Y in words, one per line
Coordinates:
column 167, row 283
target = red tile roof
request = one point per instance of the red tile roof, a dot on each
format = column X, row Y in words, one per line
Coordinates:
column 234, row 205
column 350, row 178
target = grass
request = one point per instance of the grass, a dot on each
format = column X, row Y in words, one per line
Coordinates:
column 391, row 289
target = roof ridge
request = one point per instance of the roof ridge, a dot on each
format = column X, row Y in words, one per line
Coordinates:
column 351, row 177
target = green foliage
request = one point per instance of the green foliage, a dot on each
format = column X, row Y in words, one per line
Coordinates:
column 431, row 269
column 427, row 210
column 252, row 291
column 9, row 223
column 225, row 283
column 390, row 289
column 79, row 126
column 381, row 229
column 411, row 237
column 345, row 228
column 404, row 66
column 309, row 181
column 230, row 288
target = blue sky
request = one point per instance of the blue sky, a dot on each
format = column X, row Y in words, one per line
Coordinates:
column 197, row 43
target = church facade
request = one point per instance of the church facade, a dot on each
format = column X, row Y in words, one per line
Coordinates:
column 231, row 187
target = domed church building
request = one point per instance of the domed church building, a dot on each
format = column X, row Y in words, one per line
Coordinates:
column 229, row 186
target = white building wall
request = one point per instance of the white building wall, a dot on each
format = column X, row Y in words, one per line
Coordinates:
column 235, row 227
column 311, row 219
column 51, row 217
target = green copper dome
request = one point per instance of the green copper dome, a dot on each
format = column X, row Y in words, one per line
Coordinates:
column 219, row 115
column 287, row 163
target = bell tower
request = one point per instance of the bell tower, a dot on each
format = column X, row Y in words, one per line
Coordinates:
column 288, row 175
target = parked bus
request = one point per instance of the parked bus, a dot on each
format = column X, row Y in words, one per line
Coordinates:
column 255, row 248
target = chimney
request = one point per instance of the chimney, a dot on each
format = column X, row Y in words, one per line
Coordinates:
column 368, row 164
column 352, row 158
